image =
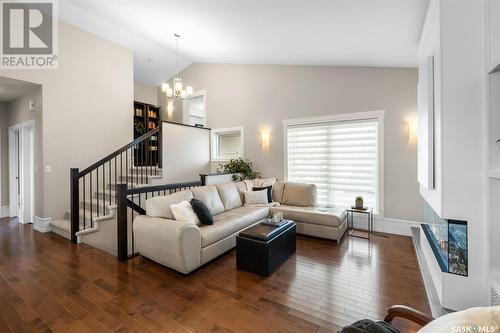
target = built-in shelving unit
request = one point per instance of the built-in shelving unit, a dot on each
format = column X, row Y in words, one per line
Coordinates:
column 493, row 137
column 146, row 118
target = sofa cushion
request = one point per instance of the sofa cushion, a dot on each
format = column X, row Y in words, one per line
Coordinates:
column 229, row 195
column 231, row 222
column 330, row 217
column 201, row 211
column 299, row 194
column 242, row 187
column 210, row 197
column 160, row 206
column 278, row 189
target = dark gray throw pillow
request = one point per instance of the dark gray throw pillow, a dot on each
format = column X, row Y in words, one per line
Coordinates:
column 201, row 210
column 269, row 192
column 369, row 326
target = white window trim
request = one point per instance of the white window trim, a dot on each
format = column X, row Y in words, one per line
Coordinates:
column 219, row 131
column 353, row 116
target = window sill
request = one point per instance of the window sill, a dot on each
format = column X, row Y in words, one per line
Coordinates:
column 224, row 160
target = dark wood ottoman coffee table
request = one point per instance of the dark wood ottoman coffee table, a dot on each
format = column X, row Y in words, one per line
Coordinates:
column 262, row 249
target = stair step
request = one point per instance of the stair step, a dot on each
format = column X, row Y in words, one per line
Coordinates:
column 106, row 195
column 130, row 185
column 134, row 169
column 97, row 205
column 61, row 224
column 139, row 178
column 88, row 214
column 63, row 227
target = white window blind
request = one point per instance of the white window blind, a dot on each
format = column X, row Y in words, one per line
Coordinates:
column 340, row 158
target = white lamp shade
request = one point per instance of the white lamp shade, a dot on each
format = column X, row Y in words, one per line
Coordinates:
column 178, row 86
column 189, row 90
column 164, row 87
column 170, row 92
column 183, row 94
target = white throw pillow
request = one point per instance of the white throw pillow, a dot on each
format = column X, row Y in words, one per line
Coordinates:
column 259, row 182
column 183, row 211
column 253, row 198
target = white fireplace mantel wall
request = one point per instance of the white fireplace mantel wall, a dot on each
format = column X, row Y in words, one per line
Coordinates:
column 454, row 34
column 492, row 125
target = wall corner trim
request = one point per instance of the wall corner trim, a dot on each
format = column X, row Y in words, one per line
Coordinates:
column 388, row 225
column 4, row 211
column 42, row 224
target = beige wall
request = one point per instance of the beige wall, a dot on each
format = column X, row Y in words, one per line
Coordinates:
column 145, row 93
column 186, row 152
column 15, row 113
column 4, row 153
column 176, row 106
column 87, row 106
column 260, row 96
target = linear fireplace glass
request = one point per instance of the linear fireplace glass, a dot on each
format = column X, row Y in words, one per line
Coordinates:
column 448, row 240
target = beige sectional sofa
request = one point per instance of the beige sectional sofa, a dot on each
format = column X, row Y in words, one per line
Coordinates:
column 186, row 246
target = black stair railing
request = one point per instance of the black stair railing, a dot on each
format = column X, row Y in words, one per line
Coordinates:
column 93, row 190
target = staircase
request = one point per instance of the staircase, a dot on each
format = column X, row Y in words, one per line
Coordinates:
column 92, row 215
column 96, row 203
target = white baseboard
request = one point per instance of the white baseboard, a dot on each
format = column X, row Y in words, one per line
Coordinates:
column 4, row 211
column 42, row 224
column 387, row 225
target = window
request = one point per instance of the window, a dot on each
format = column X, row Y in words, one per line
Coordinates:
column 340, row 156
column 227, row 143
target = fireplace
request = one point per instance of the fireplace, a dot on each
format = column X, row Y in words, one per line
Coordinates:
column 448, row 241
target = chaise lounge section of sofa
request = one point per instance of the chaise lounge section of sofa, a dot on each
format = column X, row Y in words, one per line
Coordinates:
column 185, row 246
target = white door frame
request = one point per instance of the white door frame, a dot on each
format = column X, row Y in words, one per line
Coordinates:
column 185, row 106
column 26, row 153
column 13, row 166
column 28, row 167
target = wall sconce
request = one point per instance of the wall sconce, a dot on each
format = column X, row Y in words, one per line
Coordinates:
column 265, row 139
column 412, row 130
column 170, row 109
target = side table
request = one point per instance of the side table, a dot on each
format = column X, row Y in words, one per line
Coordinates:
column 368, row 211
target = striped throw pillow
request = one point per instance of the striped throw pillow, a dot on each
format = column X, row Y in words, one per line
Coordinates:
column 253, row 198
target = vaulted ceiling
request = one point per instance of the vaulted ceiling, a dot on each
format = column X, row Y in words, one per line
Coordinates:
column 301, row 32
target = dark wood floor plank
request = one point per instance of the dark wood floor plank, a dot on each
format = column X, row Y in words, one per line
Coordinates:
column 50, row 285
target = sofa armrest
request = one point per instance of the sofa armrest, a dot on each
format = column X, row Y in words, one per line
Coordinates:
column 406, row 312
column 171, row 243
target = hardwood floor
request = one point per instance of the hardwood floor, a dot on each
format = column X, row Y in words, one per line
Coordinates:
column 47, row 284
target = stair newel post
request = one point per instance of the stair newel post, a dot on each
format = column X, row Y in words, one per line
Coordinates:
column 74, row 202
column 121, row 221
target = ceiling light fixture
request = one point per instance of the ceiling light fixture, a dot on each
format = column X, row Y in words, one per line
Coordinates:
column 177, row 91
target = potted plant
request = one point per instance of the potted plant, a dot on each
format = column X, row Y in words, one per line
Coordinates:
column 359, row 202
column 242, row 169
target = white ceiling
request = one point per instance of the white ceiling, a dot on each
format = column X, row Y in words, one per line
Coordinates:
column 298, row 32
column 11, row 89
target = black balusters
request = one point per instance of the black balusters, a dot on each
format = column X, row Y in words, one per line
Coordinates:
column 99, row 186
